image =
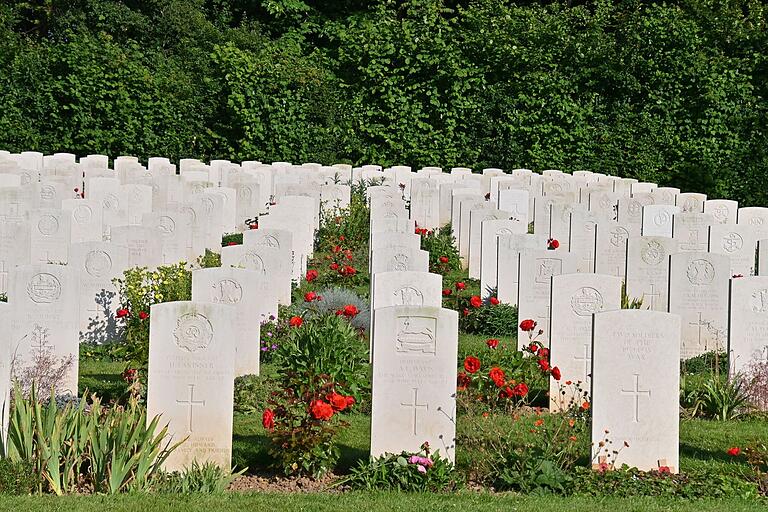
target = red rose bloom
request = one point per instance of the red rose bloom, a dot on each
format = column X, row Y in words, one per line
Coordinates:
column 492, row 343
column 553, row 244
column 342, row 238
column 533, row 347
column 337, row 401
column 334, row 266
column 447, row 292
column 339, row 312
column 497, row 376
column 466, row 312
column 460, row 285
column 268, row 419
column 506, row 392
column 476, row 301
column 543, row 353
column 462, row 381
column 443, row 259
column 472, row 364
column 122, row 313
column 733, row 452
column 556, row 373
column 310, row 296
column 349, row 270
column 311, row 275
column 527, row 325
column 664, row 469
column 544, row 365
column 494, row 301
column 321, row 410
column 521, row 389
column 350, row 310
column 295, row 321
column 143, row 315
column 350, row 400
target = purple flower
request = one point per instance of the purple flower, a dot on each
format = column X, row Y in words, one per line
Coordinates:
column 421, row 469
column 269, row 334
column 264, row 349
column 274, row 347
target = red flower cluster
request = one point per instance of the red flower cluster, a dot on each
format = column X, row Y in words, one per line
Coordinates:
column 734, row 452
column 422, row 231
column 460, row 285
column 472, row 364
column 122, row 313
column 494, row 301
column 295, row 321
column 543, row 354
column 527, row 325
column 476, row 301
column 519, row 390
column 143, row 315
column 492, row 343
column 349, row 311
column 462, row 381
column 340, row 402
column 230, row 244
column 447, row 292
column 130, row 375
column 443, row 259
column 268, row 419
column 348, row 270
column 346, row 253
column 311, row 297
column 552, row 244
column 311, row 275
column 497, row 376
column 321, row 410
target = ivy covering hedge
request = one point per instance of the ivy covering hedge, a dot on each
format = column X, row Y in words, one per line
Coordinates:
column 671, row 92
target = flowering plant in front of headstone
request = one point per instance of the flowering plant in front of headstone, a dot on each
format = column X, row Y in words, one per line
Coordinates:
column 337, row 301
column 490, row 317
column 350, row 226
column 339, row 266
column 422, row 471
column 443, row 254
column 302, row 423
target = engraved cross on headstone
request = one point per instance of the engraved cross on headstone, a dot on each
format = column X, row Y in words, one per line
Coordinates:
column 589, row 260
column 586, row 359
column 699, row 324
column 191, row 402
column 636, row 393
column 652, row 295
column 47, row 257
column 415, row 406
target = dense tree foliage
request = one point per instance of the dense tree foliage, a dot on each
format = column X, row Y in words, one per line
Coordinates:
column 671, row 92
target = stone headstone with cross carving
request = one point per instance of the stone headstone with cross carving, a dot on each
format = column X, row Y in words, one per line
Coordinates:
column 647, row 276
column 491, row 230
column 583, row 239
column 399, row 258
column 739, row 243
column 560, row 222
column 657, row 219
column 255, row 303
column 691, row 231
column 515, row 201
column 85, row 219
column 414, row 380
column 144, row 246
column 425, row 203
column 282, row 240
column 466, row 207
column 611, row 256
column 748, row 333
column 575, row 298
column 191, row 379
column 97, row 264
column 50, row 236
column 698, row 292
column 43, row 331
column 635, row 389
column 536, row 269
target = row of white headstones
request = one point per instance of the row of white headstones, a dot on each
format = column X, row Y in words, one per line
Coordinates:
column 416, row 362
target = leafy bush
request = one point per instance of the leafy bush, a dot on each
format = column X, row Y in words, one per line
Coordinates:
column 207, row 478
column 17, row 477
column 333, row 300
column 443, row 252
column 407, row 472
column 347, row 226
column 325, row 346
column 138, row 290
column 707, row 363
column 251, row 391
column 754, row 380
column 716, row 398
column 111, row 449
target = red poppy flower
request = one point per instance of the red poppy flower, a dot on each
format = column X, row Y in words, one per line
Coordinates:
column 520, row 390
column 552, row 243
column 462, row 381
column 476, row 301
column 121, row 313
column 447, row 292
column 494, row 301
column 321, row 410
column 143, row 315
column 556, row 373
column 348, row 270
column 337, row 401
column 585, row 405
column 471, row 364
column 350, row 310
column 268, row 419
column 497, row 376
column 733, row 452
column 443, row 259
column 311, row 275
column 527, row 325
column 492, row 343
column 506, row 393
column 544, row 365
column 460, row 285
column 295, row 321
column 310, row 296
column 334, row 266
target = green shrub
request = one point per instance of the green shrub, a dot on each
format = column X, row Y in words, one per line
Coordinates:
column 443, row 252
column 251, row 392
column 336, row 299
column 17, row 477
column 716, row 398
column 207, row 478
column 707, row 363
column 346, row 226
column 407, row 472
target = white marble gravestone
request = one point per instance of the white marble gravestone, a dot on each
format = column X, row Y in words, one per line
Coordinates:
column 583, row 239
column 191, row 380
column 636, row 388
column 575, row 298
column 748, row 333
column 414, row 380
column 476, row 220
column 45, row 304
column 85, row 219
column 399, row 258
column 491, row 230
column 268, row 262
column 698, row 292
column 611, row 256
column 249, row 292
column 739, row 243
column 508, row 249
column 144, row 246
column 50, row 236
column 647, row 276
column 723, row 211
column 691, row 231
column 536, row 269
column 657, row 219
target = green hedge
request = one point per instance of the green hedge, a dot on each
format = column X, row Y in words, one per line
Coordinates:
column 671, row 92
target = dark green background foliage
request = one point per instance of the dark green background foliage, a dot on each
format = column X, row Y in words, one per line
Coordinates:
column 673, row 93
